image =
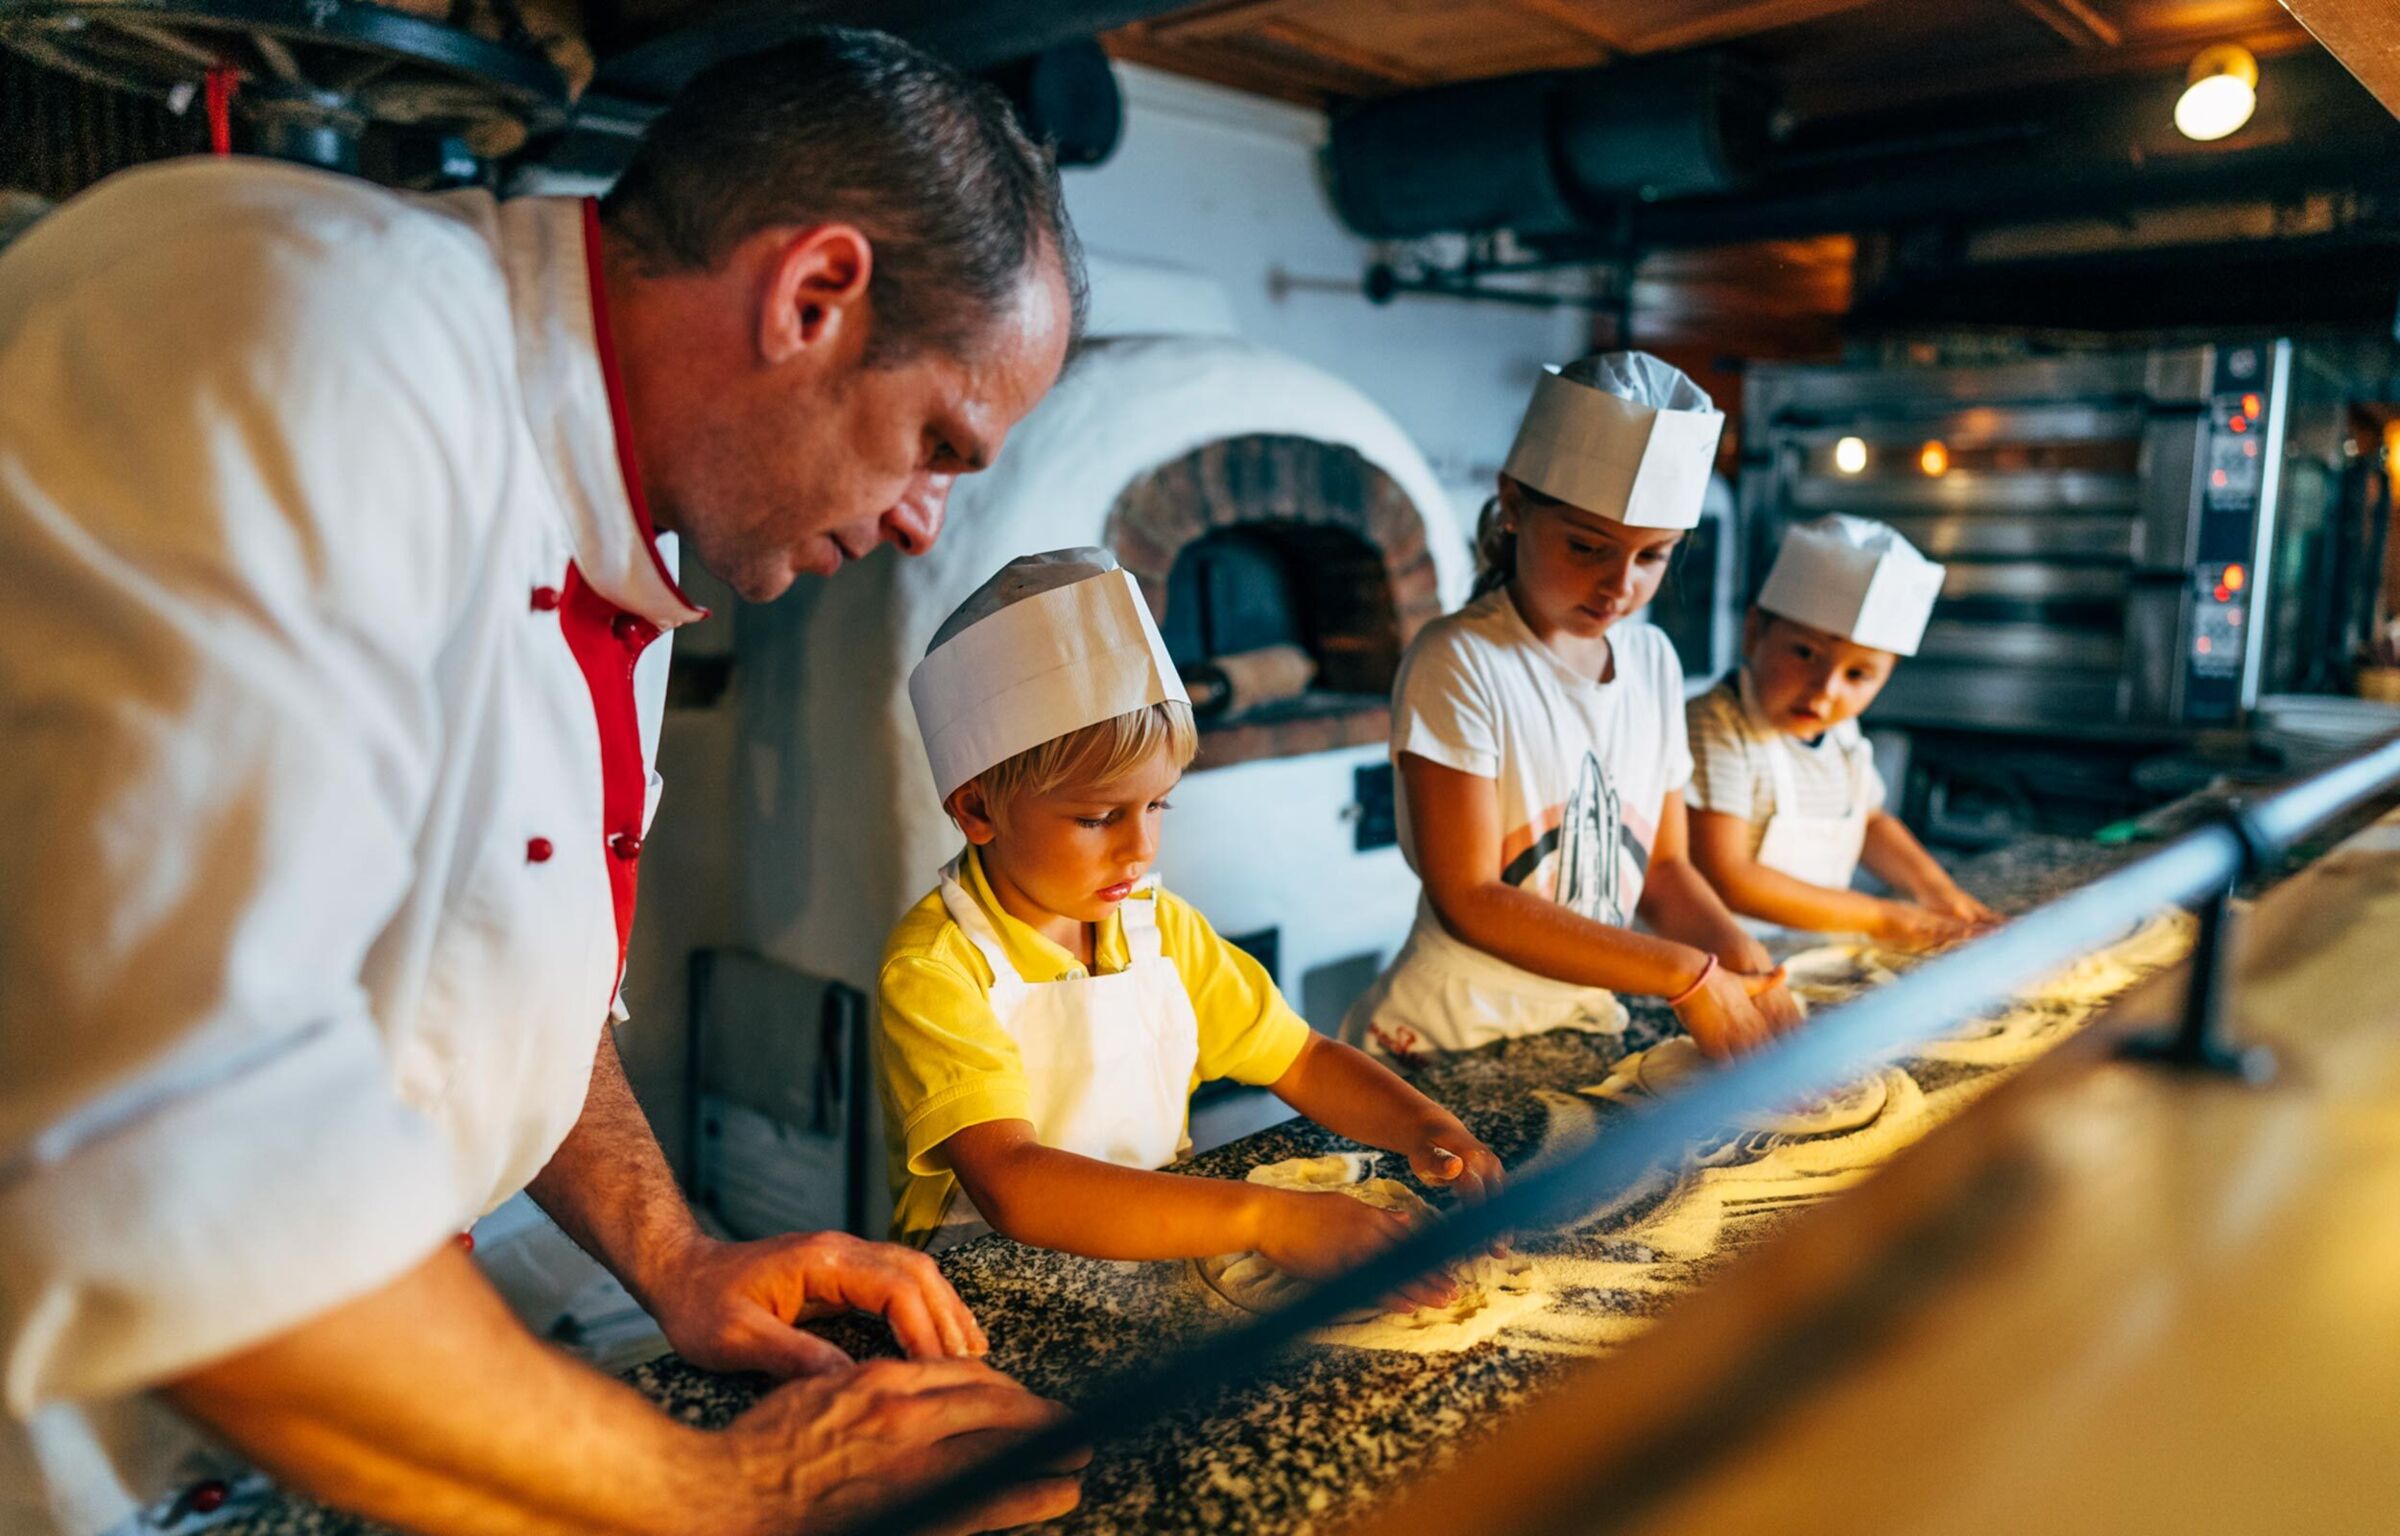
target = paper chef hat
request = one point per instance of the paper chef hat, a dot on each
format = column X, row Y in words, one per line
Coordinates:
column 1621, row 434
column 1053, row 643
column 1854, row 577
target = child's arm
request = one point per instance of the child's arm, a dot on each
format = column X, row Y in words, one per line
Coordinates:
column 1454, row 821
column 1680, row 900
column 1900, row 861
column 1351, row 1094
column 1047, row 1198
column 1721, row 849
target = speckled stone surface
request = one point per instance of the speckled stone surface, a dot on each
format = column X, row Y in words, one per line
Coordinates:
column 1311, row 1444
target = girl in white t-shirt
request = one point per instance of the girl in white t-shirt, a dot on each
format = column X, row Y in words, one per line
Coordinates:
column 1541, row 753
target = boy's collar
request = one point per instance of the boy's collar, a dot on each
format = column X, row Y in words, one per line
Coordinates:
column 1036, row 955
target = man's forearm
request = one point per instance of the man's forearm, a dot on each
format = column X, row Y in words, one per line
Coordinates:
column 426, row 1405
column 609, row 1187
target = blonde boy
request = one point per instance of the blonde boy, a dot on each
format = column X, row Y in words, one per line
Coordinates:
column 1786, row 801
column 1048, row 1009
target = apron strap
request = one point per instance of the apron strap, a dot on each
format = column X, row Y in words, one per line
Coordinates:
column 968, row 913
column 1139, row 913
column 1855, row 755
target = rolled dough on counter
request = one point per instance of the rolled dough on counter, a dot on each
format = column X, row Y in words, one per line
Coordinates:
column 1492, row 1292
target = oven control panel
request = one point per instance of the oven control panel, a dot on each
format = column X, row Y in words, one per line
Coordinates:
column 2219, row 601
column 2233, row 479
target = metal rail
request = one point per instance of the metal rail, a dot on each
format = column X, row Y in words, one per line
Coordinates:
column 2200, row 868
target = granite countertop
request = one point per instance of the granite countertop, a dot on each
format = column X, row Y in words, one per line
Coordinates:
column 1305, row 1447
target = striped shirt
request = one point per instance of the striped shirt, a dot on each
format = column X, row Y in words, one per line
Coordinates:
column 1730, row 772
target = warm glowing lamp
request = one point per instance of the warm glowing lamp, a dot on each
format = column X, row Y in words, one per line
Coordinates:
column 1850, row 455
column 1934, row 458
column 2222, row 94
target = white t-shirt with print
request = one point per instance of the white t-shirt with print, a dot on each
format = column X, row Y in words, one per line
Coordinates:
column 1583, row 767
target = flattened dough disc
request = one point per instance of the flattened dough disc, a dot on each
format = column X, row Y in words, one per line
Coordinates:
column 1671, row 1062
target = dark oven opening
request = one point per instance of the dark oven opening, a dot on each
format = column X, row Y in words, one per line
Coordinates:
column 1287, row 575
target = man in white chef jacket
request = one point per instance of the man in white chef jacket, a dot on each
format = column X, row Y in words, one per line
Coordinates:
column 337, row 547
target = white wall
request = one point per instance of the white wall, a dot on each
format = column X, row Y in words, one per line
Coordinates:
column 1227, row 185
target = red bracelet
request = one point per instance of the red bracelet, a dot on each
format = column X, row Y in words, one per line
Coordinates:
column 1699, row 981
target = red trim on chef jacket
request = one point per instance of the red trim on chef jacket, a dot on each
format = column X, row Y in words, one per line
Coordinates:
column 607, row 640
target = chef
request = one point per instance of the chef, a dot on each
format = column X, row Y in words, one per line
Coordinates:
column 338, row 533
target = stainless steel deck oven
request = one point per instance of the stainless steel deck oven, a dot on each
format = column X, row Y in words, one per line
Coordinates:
column 2133, row 536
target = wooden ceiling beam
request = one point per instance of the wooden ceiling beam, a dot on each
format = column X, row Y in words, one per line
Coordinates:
column 2075, row 21
column 2360, row 33
column 1738, row 20
column 1567, row 16
column 1229, row 19
column 1365, row 61
column 1826, row 92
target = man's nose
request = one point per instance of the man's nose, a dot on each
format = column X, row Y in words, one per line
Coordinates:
column 915, row 520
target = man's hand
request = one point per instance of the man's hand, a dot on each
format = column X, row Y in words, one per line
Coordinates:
column 733, row 1306
column 825, row 1451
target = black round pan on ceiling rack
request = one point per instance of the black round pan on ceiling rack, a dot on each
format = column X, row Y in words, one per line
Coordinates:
column 313, row 74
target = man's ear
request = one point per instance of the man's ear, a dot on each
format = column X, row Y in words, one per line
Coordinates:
column 1754, row 624
column 973, row 814
column 816, row 290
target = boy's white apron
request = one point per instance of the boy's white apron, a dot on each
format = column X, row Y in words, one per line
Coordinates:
column 1108, row 1059
column 1822, row 850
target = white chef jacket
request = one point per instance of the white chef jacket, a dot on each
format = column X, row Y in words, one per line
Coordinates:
column 323, row 763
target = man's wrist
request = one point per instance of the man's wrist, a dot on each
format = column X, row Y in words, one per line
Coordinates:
column 663, row 1257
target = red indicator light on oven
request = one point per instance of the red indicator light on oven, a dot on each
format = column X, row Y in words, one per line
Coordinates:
column 2239, row 423
column 2252, row 405
column 2202, row 645
column 2224, row 593
column 2216, row 477
column 2235, row 576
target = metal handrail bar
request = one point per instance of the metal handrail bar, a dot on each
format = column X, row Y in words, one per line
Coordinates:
column 1836, row 1047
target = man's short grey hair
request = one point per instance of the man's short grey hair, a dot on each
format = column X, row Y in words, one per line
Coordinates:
column 842, row 125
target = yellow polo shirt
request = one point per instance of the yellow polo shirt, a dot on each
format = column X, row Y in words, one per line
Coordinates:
column 943, row 1062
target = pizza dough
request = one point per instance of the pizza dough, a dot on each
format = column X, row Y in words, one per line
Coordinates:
column 1833, row 973
column 1492, row 1292
column 2104, row 973
column 1335, row 1170
column 1660, row 1069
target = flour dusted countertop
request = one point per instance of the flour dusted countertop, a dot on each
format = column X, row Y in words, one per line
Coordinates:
column 1309, row 1445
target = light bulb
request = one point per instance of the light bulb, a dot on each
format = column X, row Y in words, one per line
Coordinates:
column 2221, row 96
column 1850, row 455
column 1934, row 458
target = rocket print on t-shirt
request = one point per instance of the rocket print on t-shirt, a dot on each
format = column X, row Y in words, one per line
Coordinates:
column 1587, row 852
